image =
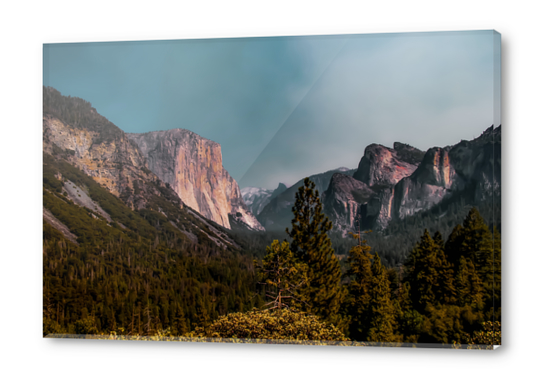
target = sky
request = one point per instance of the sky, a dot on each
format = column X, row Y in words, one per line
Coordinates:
column 283, row 108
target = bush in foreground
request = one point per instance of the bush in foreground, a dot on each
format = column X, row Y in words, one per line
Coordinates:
column 279, row 324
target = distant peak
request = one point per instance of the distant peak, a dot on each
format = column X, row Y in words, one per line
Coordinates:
column 280, row 189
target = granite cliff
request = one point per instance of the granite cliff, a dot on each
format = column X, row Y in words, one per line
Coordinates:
column 382, row 166
column 108, row 157
column 192, row 165
column 343, row 200
column 92, row 164
column 400, row 182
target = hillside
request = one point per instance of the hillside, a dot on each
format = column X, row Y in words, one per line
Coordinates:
column 119, row 242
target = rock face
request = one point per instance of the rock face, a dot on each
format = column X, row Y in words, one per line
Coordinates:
column 479, row 162
column 74, row 134
column 345, row 199
column 427, row 186
column 192, row 165
column 380, row 169
column 277, row 215
column 405, row 181
column 382, row 166
column 257, row 198
column 112, row 161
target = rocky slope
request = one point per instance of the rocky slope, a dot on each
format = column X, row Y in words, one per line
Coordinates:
column 427, row 186
column 192, row 165
column 257, row 198
column 277, row 215
column 344, row 199
column 101, row 150
column 91, row 164
column 379, row 170
column 382, row 166
column 406, row 181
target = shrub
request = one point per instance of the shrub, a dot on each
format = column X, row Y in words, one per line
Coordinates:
column 280, row 324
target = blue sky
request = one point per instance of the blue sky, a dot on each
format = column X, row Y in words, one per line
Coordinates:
column 283, row 108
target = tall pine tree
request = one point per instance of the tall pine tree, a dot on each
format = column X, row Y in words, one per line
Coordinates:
column 359, row 288
column 422, row 272
column 381, row 316
column 311, row 245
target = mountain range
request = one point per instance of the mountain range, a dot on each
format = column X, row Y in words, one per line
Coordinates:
column 391, row 184
column 174, row 180
column 91, row 164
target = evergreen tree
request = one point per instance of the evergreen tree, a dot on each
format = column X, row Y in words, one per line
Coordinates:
column 180, row 325
column 493, row 284
column 445, row 292
column 410, row 320
column 381, row 312
column 359, row 296
column 311, row 245
column 469, row 285
column 284, row 275
column 422, row 272
column 452, row 248
column 476, row 241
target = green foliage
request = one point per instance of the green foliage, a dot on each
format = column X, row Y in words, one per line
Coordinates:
column 283, row 275
column 86, row 325
column 489, row 335
column 395, row 243
column 381, row 312
column 279, row 324
column 454, row 286
column 78, row 113
column 139, row 287
column 359, row 290
column 141, row 275
column 430, row 274
column 311, row 245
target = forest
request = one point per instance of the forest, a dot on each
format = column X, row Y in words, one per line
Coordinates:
column 144, row 278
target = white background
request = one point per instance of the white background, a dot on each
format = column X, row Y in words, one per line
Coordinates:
column 26, row 26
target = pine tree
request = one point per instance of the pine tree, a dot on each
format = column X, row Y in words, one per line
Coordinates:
column 311, row 245
column 477, row 241
column 180, row 322
column 359, row 296
column 476, row 244
column 469, row 285
column 452, row 248
column 381, row 312
column 410, row 320
column 445, row 292
column 493, row 284
column 422, row 272
column 283, row 275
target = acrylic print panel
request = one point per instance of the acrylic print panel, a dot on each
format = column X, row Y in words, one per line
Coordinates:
column 338, row 189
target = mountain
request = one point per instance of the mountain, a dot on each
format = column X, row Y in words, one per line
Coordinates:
column 405, row 181
column 257, row 198
column 192, row 165
column 277, row 215
column 382, row 166
column 366, row 196
column 89, row 163
column 473, row 166
column 343, row 199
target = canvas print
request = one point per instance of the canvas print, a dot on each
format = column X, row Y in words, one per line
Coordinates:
column 336, row 190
